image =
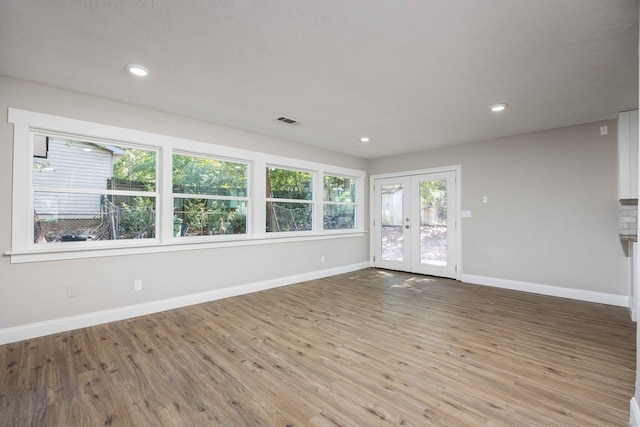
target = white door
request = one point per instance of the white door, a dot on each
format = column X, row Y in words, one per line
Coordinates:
column 392, row 223
column 415, row 226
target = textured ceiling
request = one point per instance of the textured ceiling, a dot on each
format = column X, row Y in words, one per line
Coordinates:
column 410, row 74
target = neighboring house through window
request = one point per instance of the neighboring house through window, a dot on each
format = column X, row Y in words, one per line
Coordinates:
column 91, row 191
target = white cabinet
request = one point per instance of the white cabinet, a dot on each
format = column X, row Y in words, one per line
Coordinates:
column 628, row 155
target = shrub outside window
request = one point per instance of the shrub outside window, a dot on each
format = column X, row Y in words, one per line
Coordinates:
column 210, row 196
column 289, row 205
column 92, row 190
column 339, row 203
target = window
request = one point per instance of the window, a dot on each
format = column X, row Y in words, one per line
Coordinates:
column 91, row 190
column 210, row 196
column 289, row 200
column 84, row 189
column 339, row 207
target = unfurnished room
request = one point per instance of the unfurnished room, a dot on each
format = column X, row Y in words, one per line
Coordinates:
column 319, row 213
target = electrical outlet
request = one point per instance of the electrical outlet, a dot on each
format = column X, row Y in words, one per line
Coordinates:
column 71, row 292
column 604, row 130
column 137, row 285
column 322, row 259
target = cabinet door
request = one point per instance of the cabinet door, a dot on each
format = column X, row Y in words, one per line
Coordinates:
column 628, row 155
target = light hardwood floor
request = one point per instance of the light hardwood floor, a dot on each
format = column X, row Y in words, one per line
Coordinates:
column 367, row 348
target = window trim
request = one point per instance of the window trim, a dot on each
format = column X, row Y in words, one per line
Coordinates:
column 357, row 204
column 246, row 198
column 312, row 201
column 155, row 194
column 24, row 250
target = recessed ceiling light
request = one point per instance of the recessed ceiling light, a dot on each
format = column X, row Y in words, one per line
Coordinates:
column 364, row 139
column 138, row 70
column 498, row 107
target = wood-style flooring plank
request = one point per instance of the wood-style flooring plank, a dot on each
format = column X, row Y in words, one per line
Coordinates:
column 368, row 348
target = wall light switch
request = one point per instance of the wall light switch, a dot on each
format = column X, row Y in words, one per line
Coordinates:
column 604, row 130
column 485, row 199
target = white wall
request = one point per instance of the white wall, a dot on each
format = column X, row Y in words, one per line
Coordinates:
column 552, row 211
column 36, row 292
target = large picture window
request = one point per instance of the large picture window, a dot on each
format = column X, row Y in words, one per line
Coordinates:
column 289, row 200
column 210, row 196
column 92, row 190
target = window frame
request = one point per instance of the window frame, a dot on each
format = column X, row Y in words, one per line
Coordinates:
column 355, row 203
column 312, row 201
column 246, row 198
column 23, row 248
column 33, row 188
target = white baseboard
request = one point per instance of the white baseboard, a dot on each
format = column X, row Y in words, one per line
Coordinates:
column 577, row 294
column 33, row 330
column 634, row 411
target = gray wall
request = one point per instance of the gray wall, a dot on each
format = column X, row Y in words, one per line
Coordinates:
column 36, row 292
column 551, row 216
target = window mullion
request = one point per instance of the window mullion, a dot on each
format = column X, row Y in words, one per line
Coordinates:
column 276, row 200
column 165, row 177
column 258, row 199
column 209, row 197
column 318, row 197
column 360, row 208
column 72, row 190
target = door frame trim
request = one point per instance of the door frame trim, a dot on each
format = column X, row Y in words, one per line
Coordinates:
column 458, row 214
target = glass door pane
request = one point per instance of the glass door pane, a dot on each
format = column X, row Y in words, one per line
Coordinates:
column 391, row 222
column 433, row 223
column 434, row 237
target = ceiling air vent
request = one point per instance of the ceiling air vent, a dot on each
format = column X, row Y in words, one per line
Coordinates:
column 288, row 121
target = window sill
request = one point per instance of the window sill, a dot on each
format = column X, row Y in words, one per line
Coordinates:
column 51, row 253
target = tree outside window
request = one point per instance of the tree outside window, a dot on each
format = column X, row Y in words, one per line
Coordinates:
column 339, row 207
column 289, row 204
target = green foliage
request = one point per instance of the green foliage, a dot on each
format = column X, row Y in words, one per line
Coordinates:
column 434, row 193
column 41, row 165
column 339, row 217
column 138, row 166
column 201, row 175
column 339, row 189
column 290, row 217
column 137, row 219
column 208, row 217
column 434, row 202
column 290, row 184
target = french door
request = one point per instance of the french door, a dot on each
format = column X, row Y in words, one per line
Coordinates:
column 414, row 223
